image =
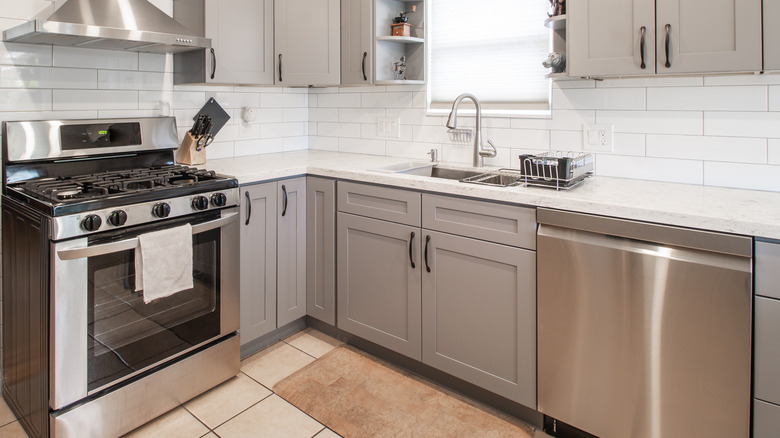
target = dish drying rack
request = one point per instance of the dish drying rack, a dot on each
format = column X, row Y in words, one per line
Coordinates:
column 558, row 170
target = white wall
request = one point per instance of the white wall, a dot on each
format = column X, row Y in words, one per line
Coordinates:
column 717, row 130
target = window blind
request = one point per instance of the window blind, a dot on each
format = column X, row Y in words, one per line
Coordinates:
column 493, row 49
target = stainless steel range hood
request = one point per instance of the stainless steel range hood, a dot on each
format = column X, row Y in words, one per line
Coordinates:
column 132, row 25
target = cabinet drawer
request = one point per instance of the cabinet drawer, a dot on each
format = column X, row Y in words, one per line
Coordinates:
column 766, row 419
column 767, row 274
column 505, row 224
column 395, row 205
column 767, row 350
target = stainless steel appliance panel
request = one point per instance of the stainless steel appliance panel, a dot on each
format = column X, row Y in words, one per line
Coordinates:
column 643, row 340
column 121, row 411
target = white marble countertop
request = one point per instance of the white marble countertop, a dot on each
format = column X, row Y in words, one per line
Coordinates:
column 745, row 212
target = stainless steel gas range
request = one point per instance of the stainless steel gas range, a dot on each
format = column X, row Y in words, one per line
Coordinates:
column 86, row 353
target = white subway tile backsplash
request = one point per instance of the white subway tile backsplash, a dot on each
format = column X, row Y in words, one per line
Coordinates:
column 327, row 129
column 566, row 140
column 391, row 99
column 119, row 114
column 743, row 176
column 133, row 80
column 739, row 124
column 296, row 143
column 651, row 81
column 188, row 99
column 92, row 58
column 457, row 153
column 25, row 54
column 355, row 115
column 412, row 150
column 46, row 77
column 324, row 114
column 295, row 114
column 774, row 151
column 656, row 169
column 770, row 78
column 265, row 115
column 155, row 62
column 430, row 134
column 653, row 122
column 599, row 99
column 628, row 144
column 239, row 100
column 26, row 100
column 220, row 150
column 362, row 146
column 259, row 146
column 774, row 98
column 282, row 100
column 562, row 120
column 282, row 130
column 45, row 115
column 324, row 143
column 415, row 117
column 369, row 130
column 574, row 83
column 517, row 138
column 753, row 98
column 344, row 100
column 692, row 147
column 95, row 99
column 156, row 100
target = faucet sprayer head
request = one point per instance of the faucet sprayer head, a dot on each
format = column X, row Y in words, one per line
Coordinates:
column 452, row 121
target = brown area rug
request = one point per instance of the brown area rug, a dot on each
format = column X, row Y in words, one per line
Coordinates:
column 357, row 395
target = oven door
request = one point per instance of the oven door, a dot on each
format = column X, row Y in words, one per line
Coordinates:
column 103, row 334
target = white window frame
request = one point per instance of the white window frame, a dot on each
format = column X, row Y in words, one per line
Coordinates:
column 467, row 109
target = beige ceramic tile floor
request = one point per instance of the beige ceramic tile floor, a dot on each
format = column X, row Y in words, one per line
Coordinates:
column 244, row 406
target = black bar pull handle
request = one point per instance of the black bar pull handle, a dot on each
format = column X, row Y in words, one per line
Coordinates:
column 411, row 245
column 427, row 241
column 248, row 207
column 284, row 200
column 365, row 78
column 666, row 45
column 643, row 29
column 213, row 63
column 280, row 67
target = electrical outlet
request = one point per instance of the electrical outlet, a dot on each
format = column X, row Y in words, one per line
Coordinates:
column 598, row 138
column 388, row 127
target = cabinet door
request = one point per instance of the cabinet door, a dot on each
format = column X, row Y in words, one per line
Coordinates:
column 379, row 282
column 291, row 254
column 321, row 249
column 479, row 308
column 606, row 37
column 356, row 32
column 241, row 33
column 708, row 36
column 771, row 16
column 258, row 261
column 307, row 42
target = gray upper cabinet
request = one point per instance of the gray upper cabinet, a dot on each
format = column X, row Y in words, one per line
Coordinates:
column 606, row 37
column 291, row 252
column 307, row 45
column 356, row 41
column 321, row 249
column 669, row 36
column 258, row 261
column 242, row 42
column 708, row 36
column 379, row 282
column 771, row 34
column 479, row 314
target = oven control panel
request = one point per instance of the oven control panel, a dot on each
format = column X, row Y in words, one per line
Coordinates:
column 113, row 218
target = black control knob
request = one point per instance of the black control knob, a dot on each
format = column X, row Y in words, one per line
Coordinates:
column 218, row 200
column 161, row 210
column 200, row 203
column 117, row 218
column 91, row 222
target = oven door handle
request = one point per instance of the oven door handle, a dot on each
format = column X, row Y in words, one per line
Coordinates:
column 125, row 245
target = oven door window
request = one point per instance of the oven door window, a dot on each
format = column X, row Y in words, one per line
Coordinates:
column 126, row 336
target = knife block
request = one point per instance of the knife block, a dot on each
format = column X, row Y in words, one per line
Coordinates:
column 188, row 152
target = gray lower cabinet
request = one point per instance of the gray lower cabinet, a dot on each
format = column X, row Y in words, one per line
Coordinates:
column 766, row 340
column 321, row 249
column 379, row 282
column 258, row 261
column 273, row 256
column 479, row 313
column 291, row 250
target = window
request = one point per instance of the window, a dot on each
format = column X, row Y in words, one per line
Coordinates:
column 493, row 49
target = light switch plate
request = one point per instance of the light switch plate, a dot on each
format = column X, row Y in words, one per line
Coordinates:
column 388, row 127
column 598, row 138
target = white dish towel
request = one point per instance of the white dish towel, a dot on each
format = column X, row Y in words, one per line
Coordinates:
column 163, row 262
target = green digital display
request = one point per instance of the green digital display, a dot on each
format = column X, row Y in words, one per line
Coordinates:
column 103, row 132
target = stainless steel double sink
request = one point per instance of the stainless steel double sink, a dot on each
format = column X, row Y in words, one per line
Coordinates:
column 499, row 178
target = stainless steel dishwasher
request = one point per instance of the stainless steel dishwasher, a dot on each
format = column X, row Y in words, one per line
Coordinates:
column 644, row 330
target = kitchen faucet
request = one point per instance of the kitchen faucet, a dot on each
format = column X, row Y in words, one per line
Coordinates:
column 452, row 122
